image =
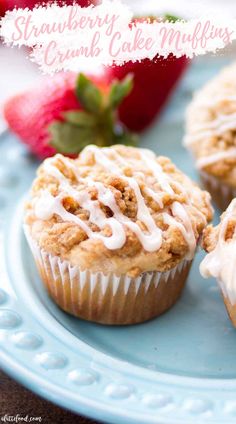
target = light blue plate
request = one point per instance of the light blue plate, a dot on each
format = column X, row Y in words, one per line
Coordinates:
column 178, row 368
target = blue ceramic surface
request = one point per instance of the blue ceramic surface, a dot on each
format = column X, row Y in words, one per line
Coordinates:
column 178, row 368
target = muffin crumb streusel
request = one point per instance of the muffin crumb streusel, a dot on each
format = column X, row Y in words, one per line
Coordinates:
column 211, row 126
column 121, row 209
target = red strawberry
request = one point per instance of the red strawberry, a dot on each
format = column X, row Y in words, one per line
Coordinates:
column 153, row 82
column 10, row 4
column 65, row 113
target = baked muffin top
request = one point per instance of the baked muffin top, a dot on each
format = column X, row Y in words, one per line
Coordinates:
column 220, row 243
column 118, row 209
column 211, row 126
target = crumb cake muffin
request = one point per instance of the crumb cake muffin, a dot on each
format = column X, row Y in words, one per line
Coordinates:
column 114, row 231
column 211, row 135
column 220, row 262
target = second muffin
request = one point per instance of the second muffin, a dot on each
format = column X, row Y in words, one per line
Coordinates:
column 114, row 232
column 220, row 261
column 211, row 135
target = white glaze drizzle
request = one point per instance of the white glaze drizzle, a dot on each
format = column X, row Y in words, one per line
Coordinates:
column 221, row 262
column 149, row 158
column 47, row 205
column 184, row 225
column 216, row 157
column 154, row 195
column 205, row 101
column 220, row 124
column 216, row 127
column 151, row 239
column 208, row 129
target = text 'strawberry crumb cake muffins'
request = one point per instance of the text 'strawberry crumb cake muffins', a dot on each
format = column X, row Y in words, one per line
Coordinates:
column 114, row 232
column 220, row 262
column 211, row 135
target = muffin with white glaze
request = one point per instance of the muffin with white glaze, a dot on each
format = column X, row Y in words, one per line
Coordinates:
column 211, row 135
column 114, row 231
column 220, row 262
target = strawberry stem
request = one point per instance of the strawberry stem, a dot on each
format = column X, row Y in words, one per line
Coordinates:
column 97, row 123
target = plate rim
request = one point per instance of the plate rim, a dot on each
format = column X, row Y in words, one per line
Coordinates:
column 111, row 412
column 208, row 382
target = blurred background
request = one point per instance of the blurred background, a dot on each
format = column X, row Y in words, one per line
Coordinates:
column 18, row 73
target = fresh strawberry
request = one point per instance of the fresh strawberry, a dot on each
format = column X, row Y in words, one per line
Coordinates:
column 10, row 4
column 66, row 112
column 153, row 82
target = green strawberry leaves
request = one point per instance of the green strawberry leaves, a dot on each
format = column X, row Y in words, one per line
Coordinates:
column 119, row 90
column 67, row 138
column 83, row 119
column 171, row 18
column 97, row 122
column 125, row 137
column 70, row 139
column 88, row 94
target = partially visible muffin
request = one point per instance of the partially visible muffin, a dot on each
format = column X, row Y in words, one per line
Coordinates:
column 114, row 232
column 211, row 135
column 220, row 262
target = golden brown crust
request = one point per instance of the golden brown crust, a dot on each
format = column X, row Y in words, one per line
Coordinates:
column 216, row 99
column 70, row 242
column 211, row 234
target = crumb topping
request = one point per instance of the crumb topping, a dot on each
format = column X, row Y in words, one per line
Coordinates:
column 220, row 261
column 211, row 126
column 212, row 235
column 118, row 209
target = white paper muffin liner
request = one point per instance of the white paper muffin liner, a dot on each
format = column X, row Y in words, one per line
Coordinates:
column 108, row 299
column 229, row 301
column 221, row 193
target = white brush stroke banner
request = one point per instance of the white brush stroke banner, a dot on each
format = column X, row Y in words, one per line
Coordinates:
column 61, row 38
